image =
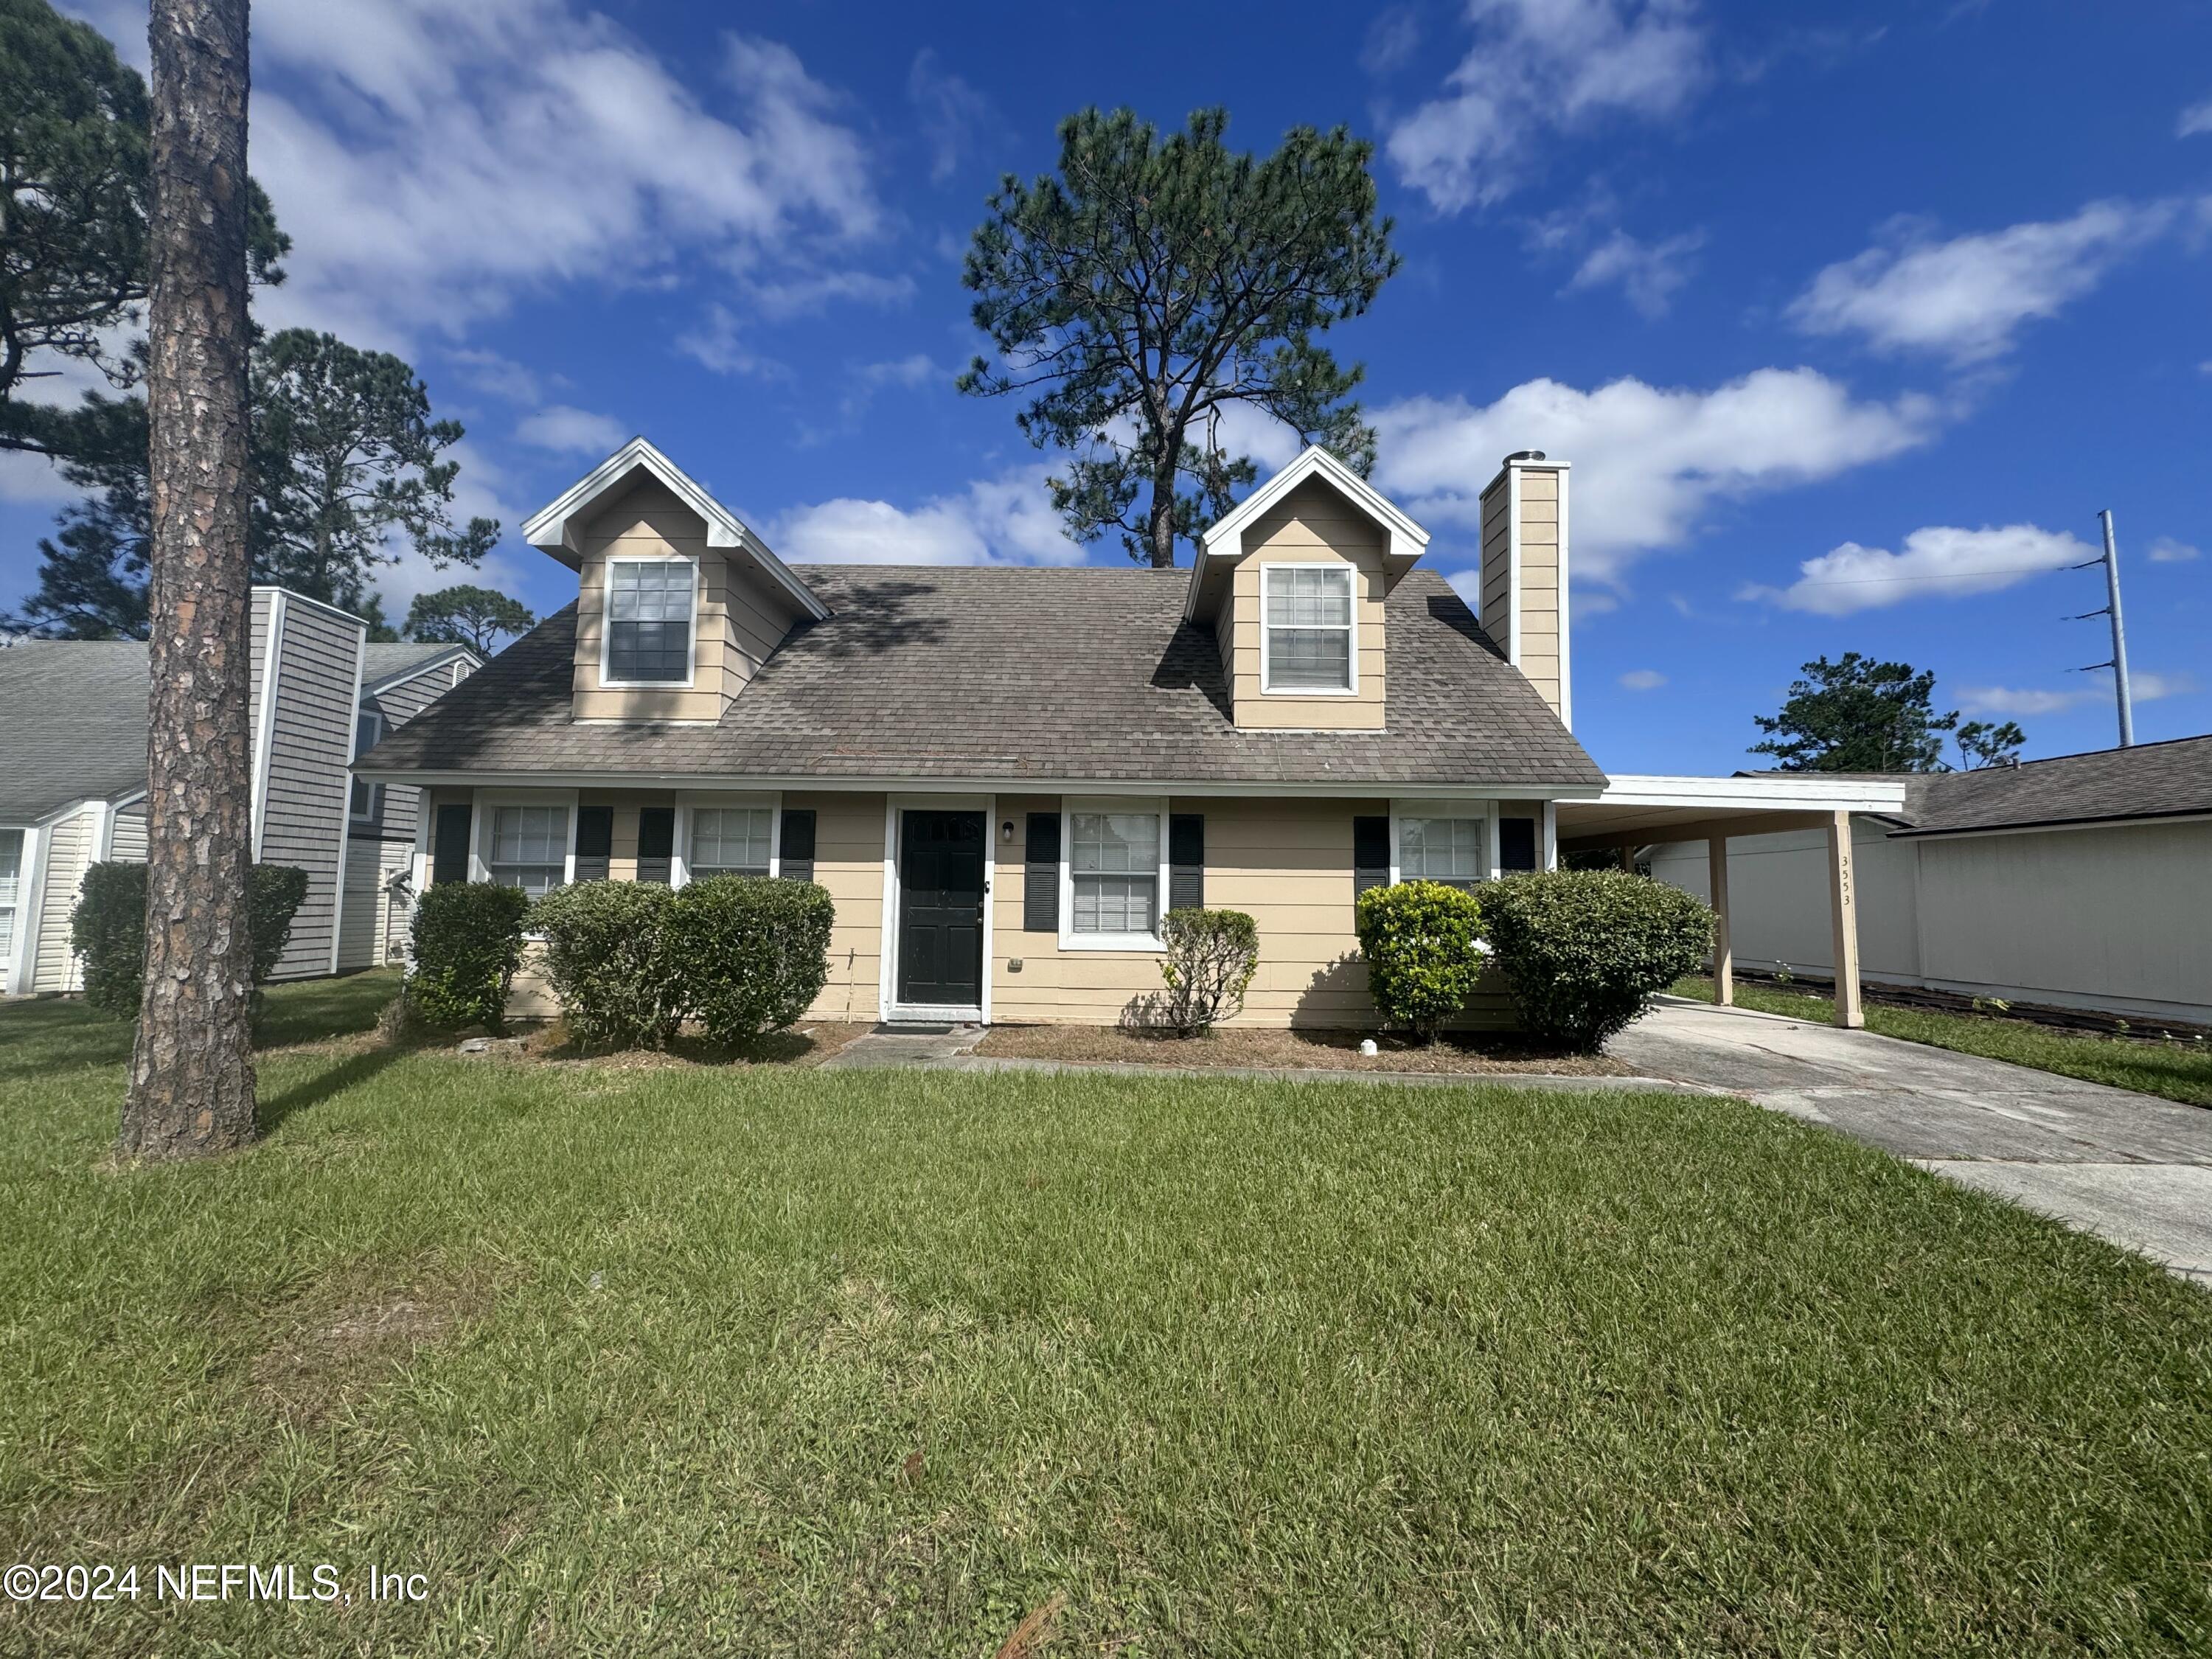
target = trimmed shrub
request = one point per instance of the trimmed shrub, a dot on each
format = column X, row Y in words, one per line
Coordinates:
column 108, row 929
column 1584, row 949
column 751, row 953
column 467, row 944
column 1423, row 942
column 609, row 960
column 1211, row 958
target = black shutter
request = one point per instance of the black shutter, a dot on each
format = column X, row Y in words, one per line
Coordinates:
column 1370, row 854
column 449, row 846
column 1186, row 861
column 656, row 843
column 796, row 862
column 1040, row 875
column 1516, row 844
column 595, row 842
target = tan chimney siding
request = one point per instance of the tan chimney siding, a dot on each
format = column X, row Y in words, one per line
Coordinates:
column 740, row 619
column 1524, row 563
column 1312, row 524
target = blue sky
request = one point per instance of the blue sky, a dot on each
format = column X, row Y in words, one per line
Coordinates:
column 1850, row 316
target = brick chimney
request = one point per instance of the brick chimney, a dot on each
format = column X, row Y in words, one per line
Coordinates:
column 1523, row 603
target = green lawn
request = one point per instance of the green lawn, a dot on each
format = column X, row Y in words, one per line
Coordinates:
column 685, row 1360
column 2178, row 1070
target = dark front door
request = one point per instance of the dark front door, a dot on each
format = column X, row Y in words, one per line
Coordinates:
column 449, row 845
column 940, row 919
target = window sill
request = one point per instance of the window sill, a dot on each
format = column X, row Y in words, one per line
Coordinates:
column 1309, row 691
column 1142, row 943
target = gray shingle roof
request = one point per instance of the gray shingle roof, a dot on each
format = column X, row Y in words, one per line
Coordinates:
column 380, row 662
column 2152, row 780
column 72, row 724
column 997, row 674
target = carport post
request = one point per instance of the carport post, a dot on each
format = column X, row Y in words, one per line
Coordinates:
column 1628, row 860
column 1723, row 957
column 1843, row 910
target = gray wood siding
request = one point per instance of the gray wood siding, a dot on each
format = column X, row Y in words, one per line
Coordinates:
column 377, row 850
column 309, row 749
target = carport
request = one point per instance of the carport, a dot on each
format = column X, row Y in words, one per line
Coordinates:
column 1635, row 812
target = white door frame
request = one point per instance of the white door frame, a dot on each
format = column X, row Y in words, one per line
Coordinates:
column 889, row 1009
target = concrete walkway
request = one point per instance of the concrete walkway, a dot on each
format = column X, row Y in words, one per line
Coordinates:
column 2130, row 1167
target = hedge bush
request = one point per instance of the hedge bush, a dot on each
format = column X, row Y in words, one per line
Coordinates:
column 609, row 960
column 108, row 929
column 1584, row 949
column 1422, row 940
column 751, row 953
column 467, row 944
column 1212, row 955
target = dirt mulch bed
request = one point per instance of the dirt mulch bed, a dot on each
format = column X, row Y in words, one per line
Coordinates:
column 1316, row 1050
column 805, row 1044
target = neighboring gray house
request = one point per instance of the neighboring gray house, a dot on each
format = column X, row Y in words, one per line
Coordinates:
column 2082, row 882
column 73, row 778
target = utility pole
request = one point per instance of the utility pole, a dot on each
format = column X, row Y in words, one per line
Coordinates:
column 2119, row 664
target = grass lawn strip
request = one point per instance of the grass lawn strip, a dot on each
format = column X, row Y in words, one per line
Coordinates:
column 2176, row 1071
column 763, row 1359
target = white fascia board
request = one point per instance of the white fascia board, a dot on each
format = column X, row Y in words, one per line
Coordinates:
column 552, row 529
column 1805, row 795
column 293, row 597
column 1225, row 535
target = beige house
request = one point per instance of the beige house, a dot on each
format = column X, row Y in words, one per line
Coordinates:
column 1005, row 777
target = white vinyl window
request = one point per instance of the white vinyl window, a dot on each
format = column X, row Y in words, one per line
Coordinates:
column 649, row 615
column 11, row 881
column 1455, row 850
column 730, row 840
column 1307, row 627
column 530, row 847
column 365, row 803
column 1113, row 876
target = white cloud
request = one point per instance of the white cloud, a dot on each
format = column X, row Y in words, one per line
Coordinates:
column 2166, row 550
column 1007, row 519
column 1966, row 298
column 34, row 481
column 2015, row 704
column 954, row 115
column 434, row 162
column 1649, row 462
column 2196, row 118
column 1647, row 273
column 719, row 343
column 1938, row 560
column 567, row 430
column 1642, row 679
column 499, row 377
column 1539, row 66
column 1392, row 40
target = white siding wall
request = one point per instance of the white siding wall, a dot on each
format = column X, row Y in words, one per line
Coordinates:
column 2112, row 916
column 66, row 849
column 126, row 842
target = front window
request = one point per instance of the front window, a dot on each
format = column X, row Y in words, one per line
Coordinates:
column 1442, row 849
column 730, row 840
column 649, row 621
column 11, row 873
column 1308, row 628
column 530, row 847
column 366, row 802
column 1113, row 865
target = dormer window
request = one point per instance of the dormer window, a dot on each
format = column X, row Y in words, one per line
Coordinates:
column 1306, row 623
column 649, row 622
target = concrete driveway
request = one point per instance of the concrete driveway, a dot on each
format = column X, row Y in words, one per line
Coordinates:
column 2131, row 1168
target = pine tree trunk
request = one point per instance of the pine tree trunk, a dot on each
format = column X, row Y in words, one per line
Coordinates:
column 192, row 1073
column 1161, row 524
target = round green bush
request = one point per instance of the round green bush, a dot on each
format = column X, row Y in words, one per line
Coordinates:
column 1422, row 940
column 751, row 953
column 1584, row 949
column 107, row 928
column 467, row 944
column 609, row 960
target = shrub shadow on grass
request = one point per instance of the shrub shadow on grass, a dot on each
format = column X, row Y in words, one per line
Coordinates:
column 806, row 1044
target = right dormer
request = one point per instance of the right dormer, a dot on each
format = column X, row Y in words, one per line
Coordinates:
column 1292, row 584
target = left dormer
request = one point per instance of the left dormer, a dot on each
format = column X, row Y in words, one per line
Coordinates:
column 678, row 603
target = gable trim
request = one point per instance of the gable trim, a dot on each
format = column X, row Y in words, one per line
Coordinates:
column 428, row 665
column 552, row 529
column 1225, row 536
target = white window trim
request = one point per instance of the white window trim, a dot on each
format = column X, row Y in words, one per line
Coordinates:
column 15, row 973
column 679, row 873
column 1267, row 680
column 482, row 809
column 1069, row 939
column 890, row 1008
column 607, row 623
column 1482, row 811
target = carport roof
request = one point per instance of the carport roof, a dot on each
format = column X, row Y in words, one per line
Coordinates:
column 1642, row 811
